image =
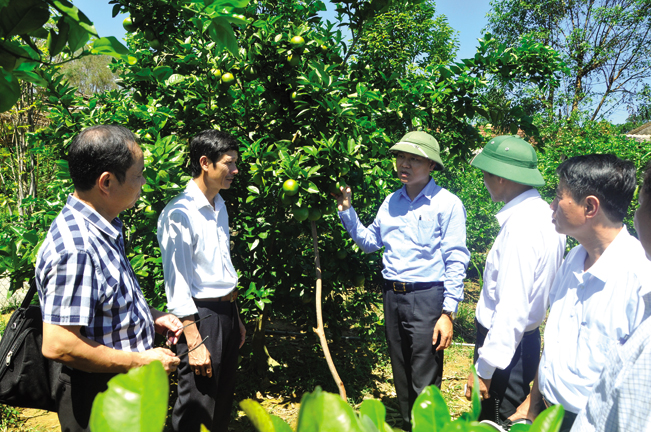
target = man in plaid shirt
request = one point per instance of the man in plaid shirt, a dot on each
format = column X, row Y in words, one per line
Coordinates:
column 96, row 320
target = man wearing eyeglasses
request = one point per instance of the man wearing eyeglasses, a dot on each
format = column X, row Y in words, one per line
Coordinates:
column 201, row 285
column 96, row 320
column 422, row 228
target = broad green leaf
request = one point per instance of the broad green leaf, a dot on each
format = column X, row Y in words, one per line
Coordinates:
column 111, row 46
column 162, row 72
column 77, row 35
column 13, row 55
column 56, row 41
column 375, row 411
column 135, row 401
column 430, row 412
column 221, row 32
column 258, row 416
column 76, row 15
column 9, row 90
column 32, row 77
column 23, row 16
column 322, row 411
column 280, row 425
column 311, row 188
column 549, row 420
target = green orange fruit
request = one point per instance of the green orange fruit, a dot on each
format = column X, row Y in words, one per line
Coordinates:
column 359, row 280
column 290, row 187
column 155, row 44
column 301, row 213
column 293, row 60
column 228, row 78
column 129, row 25
column 342, row 254
column 314, row 214
column 297, row 41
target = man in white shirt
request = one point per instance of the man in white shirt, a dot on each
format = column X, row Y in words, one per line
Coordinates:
column 597, row 296
column 201, row 284
column 519, row 271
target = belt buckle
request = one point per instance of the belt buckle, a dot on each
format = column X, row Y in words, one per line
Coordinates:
column 402, row 284
column 233, row 295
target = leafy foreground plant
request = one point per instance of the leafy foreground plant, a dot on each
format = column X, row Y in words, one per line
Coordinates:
column 322, row 411
column 137, row 402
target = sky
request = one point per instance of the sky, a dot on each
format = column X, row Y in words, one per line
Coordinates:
column 467, row 17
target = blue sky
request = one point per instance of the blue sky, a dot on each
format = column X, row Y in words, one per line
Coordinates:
column 467, row 17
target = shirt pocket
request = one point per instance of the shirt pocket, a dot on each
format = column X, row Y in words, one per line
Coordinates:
column 593, row 351
column 427, row 232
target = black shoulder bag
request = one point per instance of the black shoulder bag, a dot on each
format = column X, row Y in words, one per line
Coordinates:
column 27, row 379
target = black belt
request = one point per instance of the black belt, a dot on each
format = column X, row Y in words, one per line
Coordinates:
column 406, row 287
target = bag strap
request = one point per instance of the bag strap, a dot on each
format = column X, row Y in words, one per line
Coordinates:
column 30, row 293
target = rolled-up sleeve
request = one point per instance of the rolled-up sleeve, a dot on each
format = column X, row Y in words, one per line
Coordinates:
column 455, row 254
column 176, row 245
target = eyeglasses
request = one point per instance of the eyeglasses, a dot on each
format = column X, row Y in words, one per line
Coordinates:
column 170, row 334
column 189, row 351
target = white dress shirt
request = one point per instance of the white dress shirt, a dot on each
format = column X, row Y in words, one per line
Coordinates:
column 195, row 245
column 519, row 272
column 592, row 312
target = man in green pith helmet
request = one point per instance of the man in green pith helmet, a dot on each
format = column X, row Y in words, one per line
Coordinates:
column 519, row 272
column 422, row 228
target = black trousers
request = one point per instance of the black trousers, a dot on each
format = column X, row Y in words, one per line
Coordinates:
column 511, row 386
column 75, row 396
column 409, row 325
column 203, row 400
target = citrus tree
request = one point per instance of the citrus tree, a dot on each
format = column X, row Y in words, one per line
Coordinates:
column 309, row 121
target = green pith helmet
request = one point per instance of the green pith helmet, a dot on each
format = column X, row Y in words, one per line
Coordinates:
column 420, row 144
column 512, row 158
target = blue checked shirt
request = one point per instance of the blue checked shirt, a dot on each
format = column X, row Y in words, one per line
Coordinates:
column 620, row 400
column 424, row 240
column 84, row 279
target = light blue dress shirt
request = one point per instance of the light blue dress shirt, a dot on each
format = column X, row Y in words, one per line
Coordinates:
column 424, row 240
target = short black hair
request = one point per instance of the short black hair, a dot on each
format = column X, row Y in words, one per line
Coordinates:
column 212, row 144
column 609, row 178
column 98, row 149
column 646, row 180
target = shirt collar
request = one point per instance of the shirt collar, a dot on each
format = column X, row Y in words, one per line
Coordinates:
column 615, row 252
column 199, row 199
column 509, row 208
column 113, row 229
column 428, row 191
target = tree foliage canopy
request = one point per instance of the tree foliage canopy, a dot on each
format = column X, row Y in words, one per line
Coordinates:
column 605, row 43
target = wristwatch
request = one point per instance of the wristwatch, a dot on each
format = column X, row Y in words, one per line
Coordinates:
column 450, row 314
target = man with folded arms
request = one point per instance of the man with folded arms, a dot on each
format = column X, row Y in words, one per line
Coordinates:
column 520, row 268
column 597, row 298
column 96, row 320
column 201, row 283
column 422, row 228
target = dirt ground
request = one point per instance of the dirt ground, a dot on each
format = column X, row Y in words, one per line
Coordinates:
column 301, row 367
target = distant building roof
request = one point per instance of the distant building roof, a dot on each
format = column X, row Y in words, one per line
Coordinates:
column 642, row 133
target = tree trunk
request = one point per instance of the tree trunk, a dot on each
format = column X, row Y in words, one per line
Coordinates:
column 319, row 317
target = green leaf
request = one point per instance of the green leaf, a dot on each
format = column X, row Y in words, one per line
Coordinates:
column 374, row 410
column 311, row 188
column 23, row 16
column 9, row 90
column 258, row 416
column 135, row 401
column 56, row 41
column 280, row 425
column 430, row 412
column 321, row 411
column 162, row 72
column 32, row 77
column 111, row 46
column 77, row 35
column 549, row 420
column 71, row 11
column 221, row 32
